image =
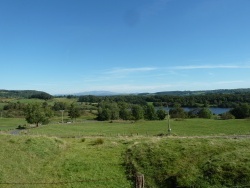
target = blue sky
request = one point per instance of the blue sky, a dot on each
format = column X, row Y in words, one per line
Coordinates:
column 70, row 46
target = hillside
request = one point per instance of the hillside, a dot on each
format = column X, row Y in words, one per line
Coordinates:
column 24, row 94
column 203, row 92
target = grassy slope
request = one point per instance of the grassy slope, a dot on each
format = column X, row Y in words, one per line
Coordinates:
column 164, row 161
column 42, row 159
column 24, row 158
column 38, row 159
column 191, row 162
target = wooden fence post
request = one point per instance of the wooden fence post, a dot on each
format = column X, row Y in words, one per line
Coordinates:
column 139, row 181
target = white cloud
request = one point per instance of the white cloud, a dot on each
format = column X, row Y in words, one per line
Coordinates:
column 190, row 67
column 171, row 86
column 132, row 88
column 130, row 70
column 229, row 82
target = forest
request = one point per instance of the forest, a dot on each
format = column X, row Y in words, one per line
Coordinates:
column 204, row 100
column 24, row 94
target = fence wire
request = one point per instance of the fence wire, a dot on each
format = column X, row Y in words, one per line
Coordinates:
column 57, row 183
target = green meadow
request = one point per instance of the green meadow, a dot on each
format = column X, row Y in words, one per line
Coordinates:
column 37, row 161
column 198, row 153
column 188, row 127
column 8, row 124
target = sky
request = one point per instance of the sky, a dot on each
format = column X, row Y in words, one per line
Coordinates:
column 124, row 46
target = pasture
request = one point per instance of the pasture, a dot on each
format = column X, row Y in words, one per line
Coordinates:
column 107, row 154
column 8, row 124
column 188, row 127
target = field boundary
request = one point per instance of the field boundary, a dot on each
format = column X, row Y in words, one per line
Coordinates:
column 57, row 183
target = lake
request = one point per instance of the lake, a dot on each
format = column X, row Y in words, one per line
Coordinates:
column 214, row 110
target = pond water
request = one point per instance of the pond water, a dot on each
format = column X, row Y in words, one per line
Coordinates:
column 214, row 110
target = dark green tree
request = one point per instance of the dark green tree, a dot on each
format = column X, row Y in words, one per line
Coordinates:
column 104, row 114
column 161, row 113
column 108, row 111
column 149, row 112
column 241, row 111
column 59, row 106
column 205, row 113
column 37, row 114
column 125, row 111
column 137, row 112
column 177, row 112
column 74, row 112
column 114, row 110
column 193, row 113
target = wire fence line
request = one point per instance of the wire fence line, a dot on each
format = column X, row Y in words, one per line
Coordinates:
column 57, row 183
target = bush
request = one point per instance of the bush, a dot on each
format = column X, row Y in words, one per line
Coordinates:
column 205, row 113
column 98, row 141
column 178, row 112
column 202, row 162
column 227, row 115
column 241, row 111
column 83, row 140
column 22, row 127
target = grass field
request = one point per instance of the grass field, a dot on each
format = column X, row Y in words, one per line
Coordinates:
column 51, row 162
column 103, row 154
column 7, row 124
column 189, row 127
column 192, row 162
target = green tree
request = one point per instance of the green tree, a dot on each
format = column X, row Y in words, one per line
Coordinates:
column 205, row 113
column 125, row 111
column 114, row 110
column 59, row 106
column 137, row 112
column 149, row 112
column 193, row 113
column 177, row 112
column 108, row 111
column 104, row 114
column 241, row 111
column 161, row 113
column 74, row 112
column 37, row 114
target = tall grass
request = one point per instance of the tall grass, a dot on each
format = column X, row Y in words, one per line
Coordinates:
column 30, row 161
column 24, row 159
column 191, row 162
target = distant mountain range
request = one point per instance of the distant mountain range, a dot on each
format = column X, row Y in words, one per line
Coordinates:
column 97, row 93
column 30, row 93
column 174, row 93
column 203, row 92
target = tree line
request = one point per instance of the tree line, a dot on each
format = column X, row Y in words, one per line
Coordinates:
column 28, row 94
column 113, row 111
column 216, row 100
column 40, row 113
column 108, row 110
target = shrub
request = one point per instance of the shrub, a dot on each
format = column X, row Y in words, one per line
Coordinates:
column 227, row 115
column 241, row 111
column 83, row 140
column 205, row 113
column 98, row 141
